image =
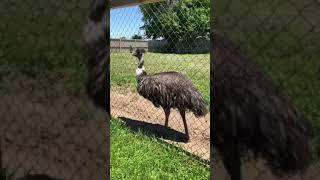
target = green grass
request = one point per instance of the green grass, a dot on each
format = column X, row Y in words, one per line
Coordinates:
column 136, row 156
column 195, row 67
column 39, row 39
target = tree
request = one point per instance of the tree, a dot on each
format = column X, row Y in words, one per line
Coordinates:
column 136, row 37
column 180, row 21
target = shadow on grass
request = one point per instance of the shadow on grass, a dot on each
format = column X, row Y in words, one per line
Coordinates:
column 156, row 130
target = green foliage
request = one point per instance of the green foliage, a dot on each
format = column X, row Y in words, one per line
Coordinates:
column 182, row 21
column 136, row 37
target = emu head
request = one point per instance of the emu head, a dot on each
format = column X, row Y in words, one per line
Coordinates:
column 139, row 53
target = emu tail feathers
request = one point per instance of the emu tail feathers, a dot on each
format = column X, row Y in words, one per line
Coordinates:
column 296, row 158
column 288, row 150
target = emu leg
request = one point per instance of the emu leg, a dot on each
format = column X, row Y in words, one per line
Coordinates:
column 231, row 159
column 167, row 113
column 183, row 115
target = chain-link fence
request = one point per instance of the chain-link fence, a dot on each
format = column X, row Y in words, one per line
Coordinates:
column 174, row 37
column 283, row 38
column 47, row 123
column 48, row 126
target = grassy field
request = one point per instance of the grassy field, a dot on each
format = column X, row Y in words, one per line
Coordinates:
column 136, row 156
column 195, row 67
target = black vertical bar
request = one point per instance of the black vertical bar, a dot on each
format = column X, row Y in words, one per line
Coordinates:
column 212, row 108
column 107, row 102
column 108, row 67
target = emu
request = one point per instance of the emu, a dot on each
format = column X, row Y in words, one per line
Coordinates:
column 96, row 45
column 251, row 114
column 169, row 90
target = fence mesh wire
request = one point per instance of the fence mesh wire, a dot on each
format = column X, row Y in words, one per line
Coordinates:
column 48, row 126
column 174, row 35
column 283, row 37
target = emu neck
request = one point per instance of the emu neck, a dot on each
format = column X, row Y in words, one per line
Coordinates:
column 140, row 71
column 141, row 61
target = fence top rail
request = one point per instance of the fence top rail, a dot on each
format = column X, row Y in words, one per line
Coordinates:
column 129, row 40
column 126, row 3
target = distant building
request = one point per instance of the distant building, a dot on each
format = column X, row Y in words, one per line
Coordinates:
column 200, row 45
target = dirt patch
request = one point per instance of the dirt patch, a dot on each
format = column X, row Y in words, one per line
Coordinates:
column 45, row 130
column 139, row 113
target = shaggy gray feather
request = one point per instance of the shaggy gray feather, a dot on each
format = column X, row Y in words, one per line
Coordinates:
column 172, row 90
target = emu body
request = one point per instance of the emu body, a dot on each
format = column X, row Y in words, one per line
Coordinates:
column 252, row 114
column 96, row 47
column 169, row 90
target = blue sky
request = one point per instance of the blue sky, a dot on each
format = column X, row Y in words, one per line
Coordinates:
column 126, row 22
